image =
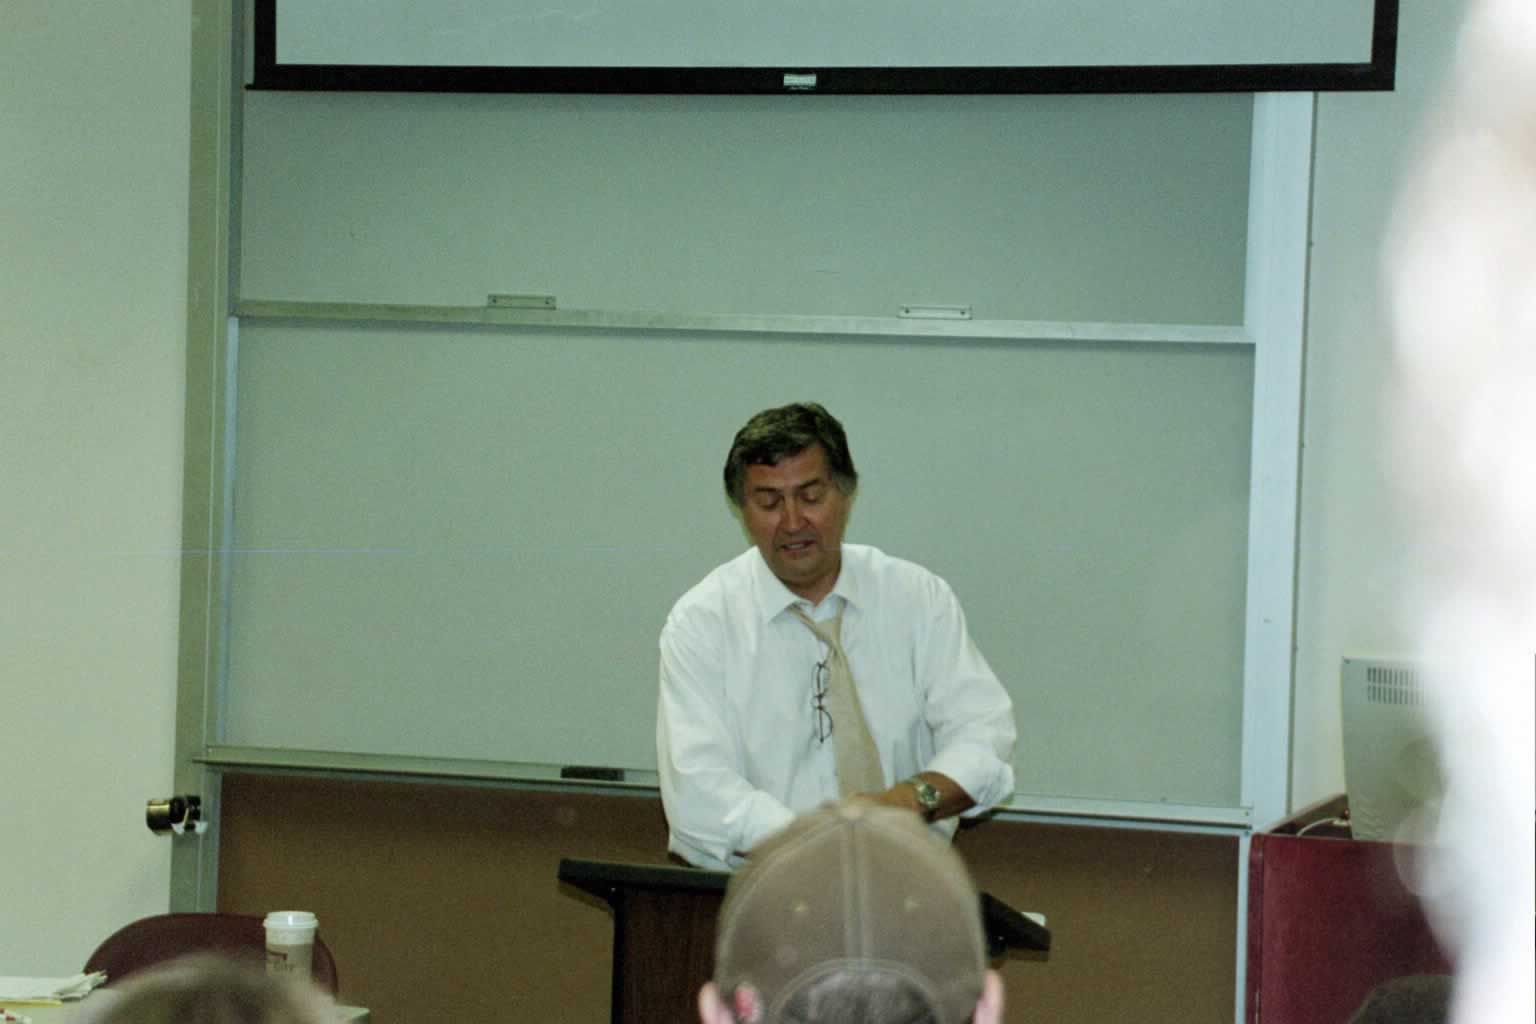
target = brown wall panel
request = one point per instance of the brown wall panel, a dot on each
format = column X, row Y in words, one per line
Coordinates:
column 1143, row 923
column 441, row 902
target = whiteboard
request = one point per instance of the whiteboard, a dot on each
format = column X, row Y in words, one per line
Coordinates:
column 462, row 543
column 1081, row 208
column 382, row 597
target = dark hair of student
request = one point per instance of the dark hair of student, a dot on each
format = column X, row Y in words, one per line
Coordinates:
column 854, row 996
column 207, row 988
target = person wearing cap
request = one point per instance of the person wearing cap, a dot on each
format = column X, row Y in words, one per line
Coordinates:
column 856, row 914
column 807, row 670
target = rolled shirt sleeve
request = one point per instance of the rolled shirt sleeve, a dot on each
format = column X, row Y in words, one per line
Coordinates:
column 968, row 710
column 714, row 814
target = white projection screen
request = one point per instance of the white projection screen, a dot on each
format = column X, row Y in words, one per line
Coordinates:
column 758, row 45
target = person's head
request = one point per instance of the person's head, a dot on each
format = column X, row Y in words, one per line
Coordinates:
column 855, row 913
column 791, row 476
column 208, row 989
column 774, row 434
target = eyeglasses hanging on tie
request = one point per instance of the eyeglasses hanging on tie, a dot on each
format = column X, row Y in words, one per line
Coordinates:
column 819, row 695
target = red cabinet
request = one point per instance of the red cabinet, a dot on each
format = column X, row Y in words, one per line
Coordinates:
column 1329, row 919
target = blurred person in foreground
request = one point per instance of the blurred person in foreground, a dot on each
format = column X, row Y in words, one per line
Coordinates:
column 1461, row 274
column 208, row 989
column 857, row 914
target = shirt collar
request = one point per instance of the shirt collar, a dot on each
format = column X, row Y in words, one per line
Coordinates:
column 773, row 597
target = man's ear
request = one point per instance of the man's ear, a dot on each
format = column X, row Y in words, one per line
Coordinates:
column 711, row 1009
column 989, row 1008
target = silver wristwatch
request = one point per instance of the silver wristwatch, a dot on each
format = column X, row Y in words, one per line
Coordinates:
column 927, row 796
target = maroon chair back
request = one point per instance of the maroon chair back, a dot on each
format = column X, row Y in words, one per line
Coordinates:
column 154, row 940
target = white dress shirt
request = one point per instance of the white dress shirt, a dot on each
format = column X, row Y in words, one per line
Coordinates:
column 736, row 739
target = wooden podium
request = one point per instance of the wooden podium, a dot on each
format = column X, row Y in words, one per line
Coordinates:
column 664, row 933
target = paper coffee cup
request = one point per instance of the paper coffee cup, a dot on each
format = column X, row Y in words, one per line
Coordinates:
column 290, row 943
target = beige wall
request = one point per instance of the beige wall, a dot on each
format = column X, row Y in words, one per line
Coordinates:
column 93, row 225
column 1351, row 570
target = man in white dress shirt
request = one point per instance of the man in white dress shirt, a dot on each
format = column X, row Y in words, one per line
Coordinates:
column 743, row 734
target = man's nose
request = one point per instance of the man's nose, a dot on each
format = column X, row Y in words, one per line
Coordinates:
column 794, row 515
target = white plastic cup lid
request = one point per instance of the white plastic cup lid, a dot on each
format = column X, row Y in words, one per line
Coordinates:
column 291, row 919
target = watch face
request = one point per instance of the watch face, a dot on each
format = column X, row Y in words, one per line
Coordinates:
column 927, row 794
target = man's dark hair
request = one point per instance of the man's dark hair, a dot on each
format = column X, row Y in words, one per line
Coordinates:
column 776, row 434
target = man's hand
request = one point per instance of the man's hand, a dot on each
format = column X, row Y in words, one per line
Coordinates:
column 952, row 799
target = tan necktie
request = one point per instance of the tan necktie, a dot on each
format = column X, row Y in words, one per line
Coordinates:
column 858, row 762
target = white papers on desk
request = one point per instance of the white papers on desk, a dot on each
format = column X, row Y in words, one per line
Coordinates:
column 36, row 989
